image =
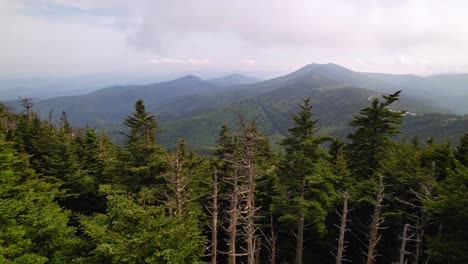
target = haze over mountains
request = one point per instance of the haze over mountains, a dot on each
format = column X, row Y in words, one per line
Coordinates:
column 204, row 105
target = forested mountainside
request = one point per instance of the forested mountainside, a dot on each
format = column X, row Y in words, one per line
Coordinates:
column 68, row 194
column 193, row 108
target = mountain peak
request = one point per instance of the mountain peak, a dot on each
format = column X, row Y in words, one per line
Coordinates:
column 329, row 70
column 327, row 66
column 188, row 79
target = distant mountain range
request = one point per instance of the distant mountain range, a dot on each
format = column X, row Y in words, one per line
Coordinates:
column 195, row 109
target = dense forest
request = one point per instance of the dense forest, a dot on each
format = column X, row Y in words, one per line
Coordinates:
column 71, row 195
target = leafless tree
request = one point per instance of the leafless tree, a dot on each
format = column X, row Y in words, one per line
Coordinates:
column 27, row 104
column 376, row 223
column 341, row 240
column 177, row 180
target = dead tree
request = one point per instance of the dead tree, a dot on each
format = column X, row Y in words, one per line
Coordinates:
column 250, row 139
column 418, row 216
column 214, row 219
column 404, row 239
column 242, row 212
column 376, row 223
column 233, row 217
column 27, row 104
column 271, row 240
column 177, row 181
column 51, row 117
column 341, row 240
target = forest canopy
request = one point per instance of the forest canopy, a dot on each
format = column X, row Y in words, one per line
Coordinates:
column 71, row 195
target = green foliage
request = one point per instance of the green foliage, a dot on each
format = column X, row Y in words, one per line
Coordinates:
column 33, row 228
column 143, row 157
column 132, row 232
column 462, row 150
column 306, row 179
column 57, row 204
column 450, row 244
column 375, row 125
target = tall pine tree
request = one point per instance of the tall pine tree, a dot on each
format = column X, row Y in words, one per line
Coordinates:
column 375, row 125
column 143, row 153
column 306, row 179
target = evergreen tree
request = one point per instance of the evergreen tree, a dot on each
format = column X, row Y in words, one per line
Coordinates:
column 305, row 177
column 135, row 231
column 144, row 157
column 462, row 150
column 450, row 245
column 375, row 125
column 33, row 228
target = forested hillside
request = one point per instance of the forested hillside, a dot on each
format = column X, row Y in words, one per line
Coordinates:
column 194, row 108
column 69, row 194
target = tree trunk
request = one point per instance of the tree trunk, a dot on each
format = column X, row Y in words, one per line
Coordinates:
column 250, row 209
column 403, row 244
column 233, row 216
column 214, row 220
column 341, row 240
column 178, row 192
column 374, row 235
column 300, row 229
column 300, row 238
column 258, row 243
column 272, row 241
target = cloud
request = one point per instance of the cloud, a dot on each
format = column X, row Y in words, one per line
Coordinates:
column 413, row 36
column 248, row 62
column 180, row 61
column 166, row 61
column 200, row 61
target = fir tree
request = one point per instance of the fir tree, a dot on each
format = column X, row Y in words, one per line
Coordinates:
column 375, row 125
column 306, row 180
column 462, row 150
column 144, row 157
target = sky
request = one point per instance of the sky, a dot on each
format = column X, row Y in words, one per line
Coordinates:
column 43, row 38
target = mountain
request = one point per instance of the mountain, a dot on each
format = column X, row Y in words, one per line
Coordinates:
column 114, row 103
column 195, row 109
column 50, row 87
column 334, row 102
column 234, row 79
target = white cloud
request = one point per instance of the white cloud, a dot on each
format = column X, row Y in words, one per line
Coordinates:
column 200, row 61
column 180, row 61
column 166, row 61
column 413, row 36
column 248, row 62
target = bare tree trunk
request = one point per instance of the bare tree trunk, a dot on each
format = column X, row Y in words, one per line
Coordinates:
column 27, row 104
column 377, row 220
column 177, row 182
column 341, row 239
column 403, row 244
column 258, row 243
column 214, row 220
column 233, row 217
column 250, row 206
column 178, row 191
column 272, row 241
column 51, row 117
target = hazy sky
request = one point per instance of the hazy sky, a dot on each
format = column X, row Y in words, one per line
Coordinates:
column 75, row 37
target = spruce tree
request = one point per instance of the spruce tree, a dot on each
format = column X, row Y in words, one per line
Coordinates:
column 374, row 127
column 305, row 178
column 462, row 150
column 144, row 156
column 33, row 227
